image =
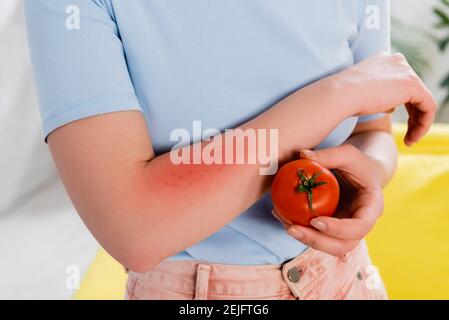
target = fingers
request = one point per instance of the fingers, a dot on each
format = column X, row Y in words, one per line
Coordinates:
column 419, row 123
column 345, row 229
column 322, row 242
column 368, row 208
column 333, row 158
column 421, row 110
column 339, row 236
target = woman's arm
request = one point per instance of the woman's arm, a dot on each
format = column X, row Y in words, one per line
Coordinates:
column 374, row 138
column 143, row 208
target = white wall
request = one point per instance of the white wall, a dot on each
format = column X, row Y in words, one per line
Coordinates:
column 40, row 232
column 25, row 163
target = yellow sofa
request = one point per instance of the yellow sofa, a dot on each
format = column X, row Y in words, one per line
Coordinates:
column 409, row 245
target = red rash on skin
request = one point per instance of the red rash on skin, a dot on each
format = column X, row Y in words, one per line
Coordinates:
column 176, row 177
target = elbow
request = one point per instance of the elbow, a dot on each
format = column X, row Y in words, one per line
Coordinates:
column 138, row 263
column 139, row 260
column 126, row 230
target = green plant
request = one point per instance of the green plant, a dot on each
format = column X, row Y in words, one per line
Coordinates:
column 442, row 13
column 411, row 43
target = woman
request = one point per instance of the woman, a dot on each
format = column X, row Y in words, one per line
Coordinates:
column 116, row 79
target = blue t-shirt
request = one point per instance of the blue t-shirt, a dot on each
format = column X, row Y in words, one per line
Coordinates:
column 220, row 62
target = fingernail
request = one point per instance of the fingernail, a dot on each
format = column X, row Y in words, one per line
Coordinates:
column 317, row 224
column 296, row 233
column 306, row 153
column 408, row 142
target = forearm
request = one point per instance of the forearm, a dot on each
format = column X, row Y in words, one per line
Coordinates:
column 379, row 146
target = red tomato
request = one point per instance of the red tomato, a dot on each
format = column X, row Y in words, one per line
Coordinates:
column 303, row 190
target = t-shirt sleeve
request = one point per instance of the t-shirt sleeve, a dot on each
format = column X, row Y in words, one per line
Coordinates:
column 78, row 61
column 373, row 37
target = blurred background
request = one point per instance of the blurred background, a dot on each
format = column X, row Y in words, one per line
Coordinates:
column 44, row 247
column 420, row 30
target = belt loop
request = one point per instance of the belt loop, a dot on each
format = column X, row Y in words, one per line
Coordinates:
column 202, row 281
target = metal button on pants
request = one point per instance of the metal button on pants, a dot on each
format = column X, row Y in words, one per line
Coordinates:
column 294, row 274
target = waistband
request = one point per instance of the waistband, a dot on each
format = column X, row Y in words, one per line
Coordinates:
column 301, row 276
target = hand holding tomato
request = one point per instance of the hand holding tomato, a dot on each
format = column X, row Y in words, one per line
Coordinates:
column 360, row 203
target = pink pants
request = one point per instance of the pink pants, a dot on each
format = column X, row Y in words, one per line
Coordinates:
column 311, row 275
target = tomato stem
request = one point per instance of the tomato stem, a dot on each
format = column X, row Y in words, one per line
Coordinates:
column 306, row 184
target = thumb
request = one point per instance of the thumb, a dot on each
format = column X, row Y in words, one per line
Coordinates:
column 331, row 158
